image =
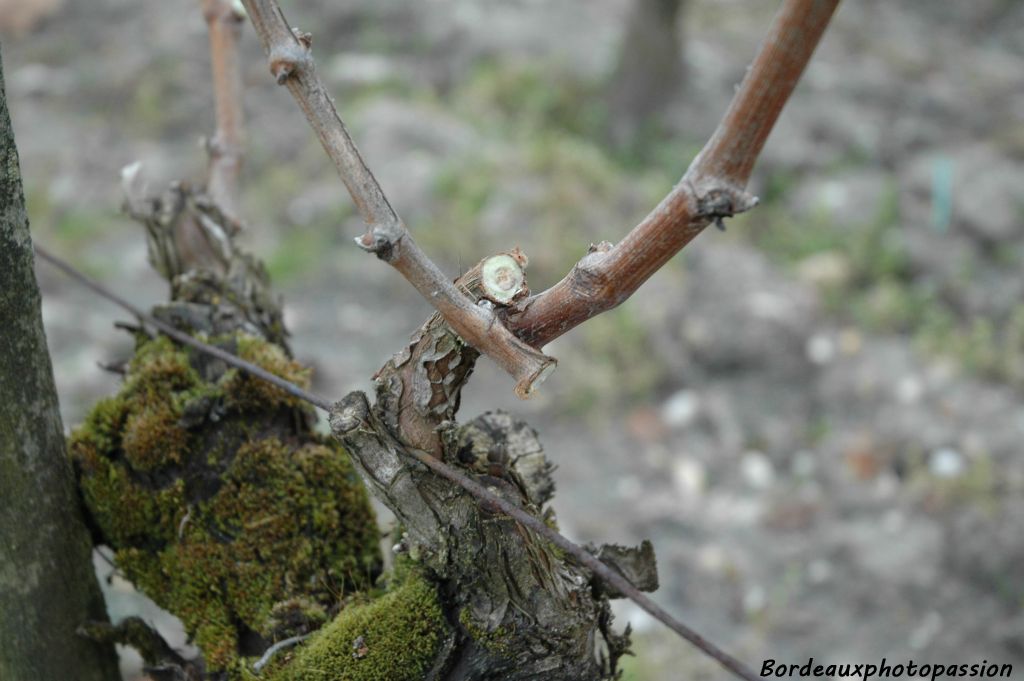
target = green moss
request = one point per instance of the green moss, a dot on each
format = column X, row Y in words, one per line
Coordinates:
column 152, row 437
column 393, row 638
column 126, row 511
column 242, row 391
column 103, row 423
column 158, row 369
column 219, row 500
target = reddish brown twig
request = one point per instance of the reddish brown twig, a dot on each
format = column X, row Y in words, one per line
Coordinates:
column 224, row 21
column 485, row 496
column 292, row 65
column 711, row 189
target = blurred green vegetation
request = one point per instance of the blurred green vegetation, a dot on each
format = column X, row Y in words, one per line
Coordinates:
column 71, row 225
column 880, row 291
column 548, row 179
column 156, row 104
column 624, row 368
column 526, row 99
column 73, row 232
column 658, row 654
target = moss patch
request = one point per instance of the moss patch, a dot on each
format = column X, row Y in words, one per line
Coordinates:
column 218, row 498
column 393, row 638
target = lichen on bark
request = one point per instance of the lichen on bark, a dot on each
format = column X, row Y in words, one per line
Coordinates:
column 47, row 585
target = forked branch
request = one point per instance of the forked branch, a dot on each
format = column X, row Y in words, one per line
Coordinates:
column 710, row 190
column 387, row 236
column 224, row 21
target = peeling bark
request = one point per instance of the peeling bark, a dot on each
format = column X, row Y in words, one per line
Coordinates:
column 420, row 387
column 47, row 585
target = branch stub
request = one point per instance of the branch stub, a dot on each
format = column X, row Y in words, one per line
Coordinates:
column 502, row 278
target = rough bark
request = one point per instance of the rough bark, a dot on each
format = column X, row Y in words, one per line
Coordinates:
column 447, row 635
column 47, row 586
column 517, row 607
column 419, row 388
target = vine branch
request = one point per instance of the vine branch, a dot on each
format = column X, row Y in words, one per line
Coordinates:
column 711, row 189
column 224, row 23
column 292, row 65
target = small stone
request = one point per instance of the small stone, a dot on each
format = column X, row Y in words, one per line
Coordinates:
column 628, row 487
column 821, row 349
column 803, row 464
column 850, row 342
column 893, row 521
column 757, row 470
column 680, row 409
column 359, row 648
column 946, row 462
column 861, row 457
column 362, row 69
column 689, row 476
column 925, row 632
column 819, row 571
column 645, row 424
column 909, row 390
column 754, row 600
column 713, row 559
column 828, row 269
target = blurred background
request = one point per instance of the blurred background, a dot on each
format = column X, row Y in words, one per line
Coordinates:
column 816, row 416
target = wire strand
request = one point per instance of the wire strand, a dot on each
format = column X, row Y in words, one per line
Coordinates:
column 181, row 336
column 588, row 560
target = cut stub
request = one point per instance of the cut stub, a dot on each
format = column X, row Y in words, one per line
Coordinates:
column 503, row 277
